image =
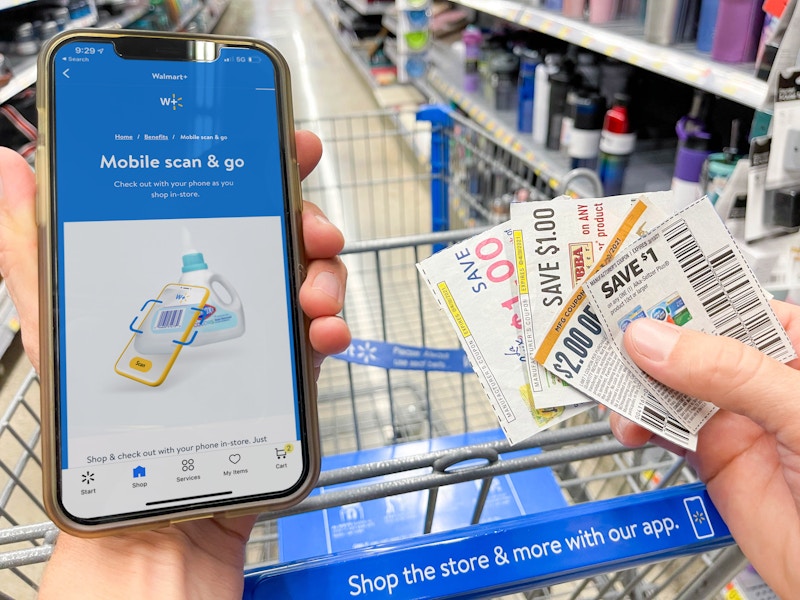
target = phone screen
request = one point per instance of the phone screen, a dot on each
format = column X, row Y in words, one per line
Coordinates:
column 177, row 344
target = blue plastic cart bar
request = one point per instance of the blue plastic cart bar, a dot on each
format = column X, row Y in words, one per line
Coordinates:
column 441, row 121
column 510, row 555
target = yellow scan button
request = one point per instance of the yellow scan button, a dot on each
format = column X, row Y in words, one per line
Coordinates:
column 141, row 364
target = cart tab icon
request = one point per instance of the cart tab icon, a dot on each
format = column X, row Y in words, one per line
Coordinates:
column 698, row 516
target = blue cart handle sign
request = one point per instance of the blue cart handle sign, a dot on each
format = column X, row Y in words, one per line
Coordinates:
column 398, row 356
column 510, row 555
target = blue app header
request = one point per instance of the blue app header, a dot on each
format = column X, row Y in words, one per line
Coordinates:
column 166, row 139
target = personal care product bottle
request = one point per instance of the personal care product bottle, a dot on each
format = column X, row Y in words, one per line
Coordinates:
column 693, row 140
column 561, row 82
column 719, row 166
column 541, row 98
column 691, row 156
column 660, row 21
column 707, row 24
column 739, row 24
column 491, row 46
column 602, row 11
column 504, row 68
column 223, row 317
column 526, row 88
column 586, row 66
column 614, row 76
column 574, row 9
column 617, row 143
column 472, row 38
column 568, row 120
column 584, row 140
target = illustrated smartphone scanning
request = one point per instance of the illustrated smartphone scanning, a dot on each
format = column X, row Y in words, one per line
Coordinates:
column 165, row 161
column 165, row 327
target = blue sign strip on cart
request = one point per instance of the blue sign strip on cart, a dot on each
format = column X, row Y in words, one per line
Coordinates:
column 398, row 356
column 510, row 555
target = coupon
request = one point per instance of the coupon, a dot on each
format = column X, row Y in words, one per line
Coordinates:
column 576, row 348
column 556, row 243
column 475, row 284
column 688, row 271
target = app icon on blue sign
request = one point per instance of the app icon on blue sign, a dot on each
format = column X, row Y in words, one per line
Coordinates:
column 698, row 516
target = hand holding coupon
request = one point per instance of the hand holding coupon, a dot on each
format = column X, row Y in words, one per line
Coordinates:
column 541, row 302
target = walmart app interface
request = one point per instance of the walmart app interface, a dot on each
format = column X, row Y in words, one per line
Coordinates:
column 177, row 384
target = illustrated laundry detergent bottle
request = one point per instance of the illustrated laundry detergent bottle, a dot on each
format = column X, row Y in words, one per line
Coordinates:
column 223, row 317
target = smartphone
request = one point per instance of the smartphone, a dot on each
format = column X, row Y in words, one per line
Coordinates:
column 168, row 162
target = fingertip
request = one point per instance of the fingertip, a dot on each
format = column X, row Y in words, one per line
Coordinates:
column 328, row 283
column 651, row 340
column 329, row 335
column 309, row 151
column 322, row 239
column 323, row 292
column 627, row 432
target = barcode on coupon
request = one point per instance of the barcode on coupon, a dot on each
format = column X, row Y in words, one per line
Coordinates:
column 169, row 319
column 659, row 421
column 726, row 292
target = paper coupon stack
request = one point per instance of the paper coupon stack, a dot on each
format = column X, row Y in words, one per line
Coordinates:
column 540, row 304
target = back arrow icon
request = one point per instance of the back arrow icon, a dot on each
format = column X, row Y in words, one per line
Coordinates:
column 64, row 73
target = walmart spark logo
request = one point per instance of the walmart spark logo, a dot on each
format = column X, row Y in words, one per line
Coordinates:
column 172, row 101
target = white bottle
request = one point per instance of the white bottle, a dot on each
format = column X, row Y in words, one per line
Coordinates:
column 541, row 98
column 222, row 318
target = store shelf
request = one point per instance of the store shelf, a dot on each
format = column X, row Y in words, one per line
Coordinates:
column 445, row 77
column 395, row 94
column 125, row 18
column 371, row 8
column 624, row 41
column 24, row 67
column 650, row 168
column 333, row 18
column 389, row 22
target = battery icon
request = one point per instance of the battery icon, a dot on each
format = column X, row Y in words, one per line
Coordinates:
column 254, row 59
column 698, row 517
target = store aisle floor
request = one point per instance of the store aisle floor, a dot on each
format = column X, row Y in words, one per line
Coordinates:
column 324, row 81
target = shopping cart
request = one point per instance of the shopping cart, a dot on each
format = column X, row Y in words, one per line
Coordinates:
column 420, row 496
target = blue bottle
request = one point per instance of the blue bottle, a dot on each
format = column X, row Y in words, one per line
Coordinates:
column 529, row 60
column 707, row 24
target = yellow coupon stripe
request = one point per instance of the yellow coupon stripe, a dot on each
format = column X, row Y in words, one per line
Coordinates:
column 519, row 255
column 451, row 306
column 578, row 296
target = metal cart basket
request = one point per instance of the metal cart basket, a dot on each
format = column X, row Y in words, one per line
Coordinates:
column 420, row 496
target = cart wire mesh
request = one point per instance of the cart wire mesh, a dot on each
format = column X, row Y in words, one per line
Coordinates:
column 400, row 184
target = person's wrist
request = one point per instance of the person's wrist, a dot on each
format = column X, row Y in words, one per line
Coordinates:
column 197, row 560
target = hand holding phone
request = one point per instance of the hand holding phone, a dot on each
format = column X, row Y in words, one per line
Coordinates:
column 183, row 133
column 91, row 567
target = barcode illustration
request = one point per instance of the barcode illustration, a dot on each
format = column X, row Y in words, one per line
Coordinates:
column 654, row 415
column 728, row 295
column 169, row 319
